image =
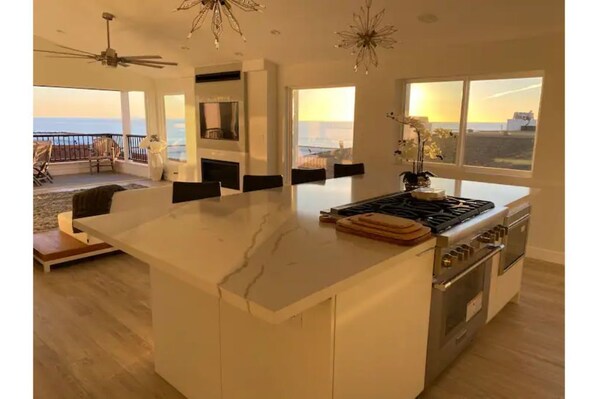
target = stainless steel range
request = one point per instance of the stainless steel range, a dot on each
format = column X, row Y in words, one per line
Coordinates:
column 469, row 236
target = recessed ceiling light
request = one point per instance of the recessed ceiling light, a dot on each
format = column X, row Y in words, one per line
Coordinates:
column 275, row 32
column 185, row 48
column 239, row 54
column 427, row 18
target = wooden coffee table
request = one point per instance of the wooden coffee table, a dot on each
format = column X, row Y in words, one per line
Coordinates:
column 54, row 247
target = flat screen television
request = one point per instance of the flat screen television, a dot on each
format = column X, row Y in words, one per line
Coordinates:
column 219, row 120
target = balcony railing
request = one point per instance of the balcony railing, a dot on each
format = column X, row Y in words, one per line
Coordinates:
column 70, row 147
column 135, row 153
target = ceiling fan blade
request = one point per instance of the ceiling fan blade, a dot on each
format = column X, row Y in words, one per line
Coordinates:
column 151, row 62
column 144, row 64
column 135, row 57
column 123, row 64
column 74, row 49
column 84, row 57
column 64, row 53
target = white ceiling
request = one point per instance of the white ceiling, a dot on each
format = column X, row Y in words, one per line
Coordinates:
column 307, row 26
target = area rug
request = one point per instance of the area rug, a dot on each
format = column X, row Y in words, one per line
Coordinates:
column 46, row 207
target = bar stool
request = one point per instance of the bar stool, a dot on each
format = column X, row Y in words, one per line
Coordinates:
column 190, row 191
column 300, row 176
column 262, row 182
column 344, row 170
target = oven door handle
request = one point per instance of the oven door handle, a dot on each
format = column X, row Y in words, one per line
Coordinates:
column 445, row 286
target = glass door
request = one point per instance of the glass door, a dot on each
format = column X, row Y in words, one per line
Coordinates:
column 322, row 127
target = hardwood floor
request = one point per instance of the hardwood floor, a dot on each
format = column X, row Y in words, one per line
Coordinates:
column 93, row 338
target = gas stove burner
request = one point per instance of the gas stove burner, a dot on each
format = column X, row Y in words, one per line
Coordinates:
column 439, row 215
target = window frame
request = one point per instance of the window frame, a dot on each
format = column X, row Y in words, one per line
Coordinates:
column 460, row 165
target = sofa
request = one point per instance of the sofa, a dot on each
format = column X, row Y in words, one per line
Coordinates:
column 121, row 201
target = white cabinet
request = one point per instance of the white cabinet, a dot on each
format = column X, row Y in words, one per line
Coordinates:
column 504, row 288
column 369, row 341
column 381, row 333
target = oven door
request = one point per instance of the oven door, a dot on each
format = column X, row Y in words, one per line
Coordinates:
column 459, row 308
column 515, row 242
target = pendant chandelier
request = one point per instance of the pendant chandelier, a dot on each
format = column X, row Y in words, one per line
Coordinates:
column 218, row 8
column 365, row 35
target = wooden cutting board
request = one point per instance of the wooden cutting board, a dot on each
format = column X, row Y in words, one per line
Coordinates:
column 348, row 225
column 393, row 222
column 389, row 223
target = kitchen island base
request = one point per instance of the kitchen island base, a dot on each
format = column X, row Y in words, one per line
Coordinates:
column 367, row 341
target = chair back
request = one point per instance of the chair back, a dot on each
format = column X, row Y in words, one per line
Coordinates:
column 191, row 191
column 255, row 182
column 105, row 147
column 344, row 170
column 42, row 152
column 300, row 176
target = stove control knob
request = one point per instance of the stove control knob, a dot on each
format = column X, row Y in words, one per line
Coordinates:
column 500, row 231
column 461, row 253
column 485, row 238
column 469, row 250
column 447, row 261
column 504, row 230
column 495, row 234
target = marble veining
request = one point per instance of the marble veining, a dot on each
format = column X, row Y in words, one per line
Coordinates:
column 266, row 251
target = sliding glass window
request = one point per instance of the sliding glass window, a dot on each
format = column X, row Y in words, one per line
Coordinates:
column 495, row 124
column 174, row 116
column 438, row 105
column 322, row 132
column 502, row 117
column 137, row 112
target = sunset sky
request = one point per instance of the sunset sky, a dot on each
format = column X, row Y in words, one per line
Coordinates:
column 330, row 104
column 76, row 103
column 490, row 101
column 174, row 106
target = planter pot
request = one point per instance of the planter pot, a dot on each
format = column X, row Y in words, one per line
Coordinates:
column 156, row 167
column 416, row 180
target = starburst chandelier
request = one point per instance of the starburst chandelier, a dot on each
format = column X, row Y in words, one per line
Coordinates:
column 365, row 35
column 218, row 8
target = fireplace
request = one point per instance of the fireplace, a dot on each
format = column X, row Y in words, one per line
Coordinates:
column 227, row 173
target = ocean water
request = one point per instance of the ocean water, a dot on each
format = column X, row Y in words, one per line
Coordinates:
column 175, row 127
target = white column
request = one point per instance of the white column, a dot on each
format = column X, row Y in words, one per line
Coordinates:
column 126, row 121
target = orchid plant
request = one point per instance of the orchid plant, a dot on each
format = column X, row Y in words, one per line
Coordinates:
column 423, row 146
column 153, row 144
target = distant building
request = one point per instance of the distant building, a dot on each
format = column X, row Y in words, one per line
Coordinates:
column 522, row 121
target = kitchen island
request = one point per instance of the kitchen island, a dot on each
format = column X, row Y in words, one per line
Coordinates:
column 252, row 297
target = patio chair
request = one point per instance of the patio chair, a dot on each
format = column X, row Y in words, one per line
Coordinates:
column 103, row 149
column 42, row 152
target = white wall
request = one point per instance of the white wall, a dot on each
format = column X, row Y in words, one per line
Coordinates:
column 375, row 136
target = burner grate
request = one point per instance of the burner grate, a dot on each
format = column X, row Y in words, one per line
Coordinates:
column 438, row 215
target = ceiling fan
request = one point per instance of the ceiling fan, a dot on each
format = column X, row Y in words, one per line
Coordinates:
column 109, row 57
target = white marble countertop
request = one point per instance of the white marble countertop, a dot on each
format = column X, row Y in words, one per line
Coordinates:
column 266, row 252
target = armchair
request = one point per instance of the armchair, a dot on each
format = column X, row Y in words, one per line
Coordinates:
column 103, row 149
